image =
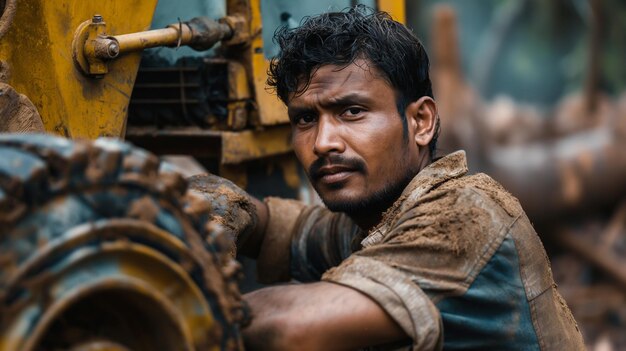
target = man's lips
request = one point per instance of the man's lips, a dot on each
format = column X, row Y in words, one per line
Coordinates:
column 335, row 169
column 334, row 173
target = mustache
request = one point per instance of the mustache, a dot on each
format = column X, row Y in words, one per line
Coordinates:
column 352, row 163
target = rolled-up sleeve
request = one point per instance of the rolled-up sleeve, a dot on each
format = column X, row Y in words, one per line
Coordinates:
column 397, row 294
column 274, row 260
column 301, row 242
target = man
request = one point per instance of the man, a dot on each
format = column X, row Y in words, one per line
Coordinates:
column 415, row 253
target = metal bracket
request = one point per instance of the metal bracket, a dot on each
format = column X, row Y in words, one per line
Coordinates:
column 92, row 48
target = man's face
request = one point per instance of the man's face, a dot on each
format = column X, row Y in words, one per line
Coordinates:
column 348, row 135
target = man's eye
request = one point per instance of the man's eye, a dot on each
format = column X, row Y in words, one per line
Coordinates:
column 305, row 119
column 353, row 111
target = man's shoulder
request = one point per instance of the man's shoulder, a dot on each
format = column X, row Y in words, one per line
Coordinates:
column 477, row 193
column 461, row 216
column 483, row 191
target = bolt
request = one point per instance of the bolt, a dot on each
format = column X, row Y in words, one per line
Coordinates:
column 96, row 19
column 113, row 50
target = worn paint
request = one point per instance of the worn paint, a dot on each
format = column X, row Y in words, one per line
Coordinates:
column 38, row 49
column 271, row 109
column 249, row 145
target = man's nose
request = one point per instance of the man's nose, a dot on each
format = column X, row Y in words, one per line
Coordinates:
column 328, row 138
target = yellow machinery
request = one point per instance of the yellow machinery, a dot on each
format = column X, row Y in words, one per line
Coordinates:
column 52, row 59
column 77, row 62
column 100, row 249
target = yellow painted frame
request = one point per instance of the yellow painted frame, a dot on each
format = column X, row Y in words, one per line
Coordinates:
column 38, row 48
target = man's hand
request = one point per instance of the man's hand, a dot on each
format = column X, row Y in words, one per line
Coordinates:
column 318, row 316
column 243, row 216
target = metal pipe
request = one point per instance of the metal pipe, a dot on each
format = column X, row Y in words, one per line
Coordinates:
column 199, row 33
column 93, row 47
column 170, row 36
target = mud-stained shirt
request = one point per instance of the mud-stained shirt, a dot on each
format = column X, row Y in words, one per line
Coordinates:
column 455, row 262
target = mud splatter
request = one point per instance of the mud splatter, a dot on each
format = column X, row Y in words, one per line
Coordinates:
column 445, row 221
column 442, row 170
column 450, row 215
column 231, row 206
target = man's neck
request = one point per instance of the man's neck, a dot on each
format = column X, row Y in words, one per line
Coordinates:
column 367, row 223
column 368, row 219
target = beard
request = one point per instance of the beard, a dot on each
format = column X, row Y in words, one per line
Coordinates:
column 374, row 204
column 363, row 206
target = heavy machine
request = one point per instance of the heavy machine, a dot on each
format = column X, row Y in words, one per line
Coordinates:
column 101, row 246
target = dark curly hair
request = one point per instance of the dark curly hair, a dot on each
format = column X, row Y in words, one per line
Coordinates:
column 340, row 38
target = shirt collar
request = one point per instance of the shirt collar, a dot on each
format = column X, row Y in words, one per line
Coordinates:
column 448, row 167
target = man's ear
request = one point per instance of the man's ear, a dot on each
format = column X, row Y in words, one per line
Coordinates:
column 422, row 119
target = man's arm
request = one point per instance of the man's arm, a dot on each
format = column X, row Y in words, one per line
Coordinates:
column 317, row 316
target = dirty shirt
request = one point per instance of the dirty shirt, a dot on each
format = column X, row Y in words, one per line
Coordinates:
column 455, row 262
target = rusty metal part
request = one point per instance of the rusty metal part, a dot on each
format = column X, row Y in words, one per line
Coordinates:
column 8, row 13
column 199, row 33
column 95, row 229
column 93, row 48
column 247, row 74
